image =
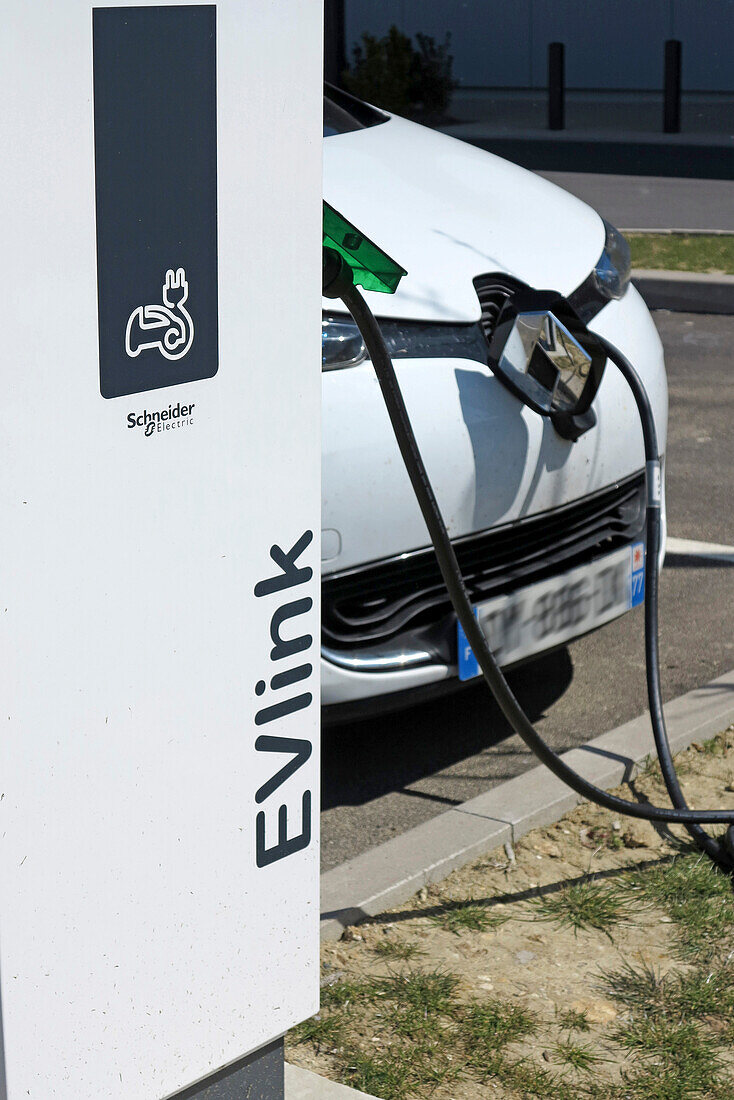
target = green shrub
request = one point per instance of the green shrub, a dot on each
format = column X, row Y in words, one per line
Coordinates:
column 433, row 80
column 393, row 73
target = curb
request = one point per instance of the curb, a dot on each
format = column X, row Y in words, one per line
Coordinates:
column 392, row 872
column 301, row 1084
column 679, row 232
column 685, row 291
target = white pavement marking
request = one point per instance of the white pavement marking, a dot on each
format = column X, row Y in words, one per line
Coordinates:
column 691, row 548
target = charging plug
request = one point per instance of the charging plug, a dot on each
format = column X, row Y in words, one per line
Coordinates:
column 336, row 274
column 371, row 268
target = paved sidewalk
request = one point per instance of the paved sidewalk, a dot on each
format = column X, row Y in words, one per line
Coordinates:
column 653, row 202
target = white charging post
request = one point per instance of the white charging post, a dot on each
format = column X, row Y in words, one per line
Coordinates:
column 159, row 562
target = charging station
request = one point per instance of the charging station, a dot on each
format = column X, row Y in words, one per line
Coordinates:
column 159, row 546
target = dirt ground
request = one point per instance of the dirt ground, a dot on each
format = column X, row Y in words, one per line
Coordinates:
column 571, row 965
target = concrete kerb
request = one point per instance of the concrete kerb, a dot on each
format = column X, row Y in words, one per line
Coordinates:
column 392, row 872
column 685, row 291
column 680, row 232
column 301, row 1084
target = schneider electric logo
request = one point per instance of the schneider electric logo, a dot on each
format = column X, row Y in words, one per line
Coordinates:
column 162, row 420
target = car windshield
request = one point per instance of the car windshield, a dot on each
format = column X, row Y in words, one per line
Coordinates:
column 343, row 113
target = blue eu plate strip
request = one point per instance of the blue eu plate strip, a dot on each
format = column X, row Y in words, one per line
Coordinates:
column 468, row 664
column 637, row 574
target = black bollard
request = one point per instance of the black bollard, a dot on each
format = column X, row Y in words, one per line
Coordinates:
column 556, row 86
column 335, row 51
column 672, row 87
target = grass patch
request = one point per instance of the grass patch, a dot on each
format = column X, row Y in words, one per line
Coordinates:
column 492, row 1025
column 381, row 1074
column 399, row 1069
column 698, row 994
column 677, row 1025
column 320, row 1031
column 466, row 917
column 393, row 1036
column 345, row 993
column 487, row 1029
column 665, row 1083
column 642, row 989
column 428, row 991
column 572, row 1020
column 416, row 1031
column 407, row 1034
column 583, row 906
column 715, row 746
column 578, row 1056
column 529, row 1080
column 677, row 1046
column 682, row 252
column 702, row 993
column 698, row 898
column 389, row 949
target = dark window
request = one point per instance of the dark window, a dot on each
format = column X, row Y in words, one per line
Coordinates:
column 344, row 113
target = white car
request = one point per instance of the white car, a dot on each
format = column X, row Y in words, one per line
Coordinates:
column 549, row 532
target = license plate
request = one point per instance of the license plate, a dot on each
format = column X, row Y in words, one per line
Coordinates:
column 551, row 612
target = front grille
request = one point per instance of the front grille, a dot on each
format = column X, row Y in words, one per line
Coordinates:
column 493, row 291
column 382, row 602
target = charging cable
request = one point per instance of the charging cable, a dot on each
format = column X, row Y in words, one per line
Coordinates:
column 721, row 851
column 338, row 283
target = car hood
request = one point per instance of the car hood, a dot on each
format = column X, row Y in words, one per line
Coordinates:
column 447, row 211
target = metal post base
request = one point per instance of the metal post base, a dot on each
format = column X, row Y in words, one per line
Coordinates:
column 259, row 1076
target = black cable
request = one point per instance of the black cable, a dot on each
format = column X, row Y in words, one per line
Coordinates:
column 710, row 845
column 451, row 574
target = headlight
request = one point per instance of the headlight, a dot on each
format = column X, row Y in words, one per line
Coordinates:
column 341, row 343
column 612, row 271
column 609, row 279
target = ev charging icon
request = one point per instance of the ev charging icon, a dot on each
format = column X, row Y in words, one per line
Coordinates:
column 167, row 327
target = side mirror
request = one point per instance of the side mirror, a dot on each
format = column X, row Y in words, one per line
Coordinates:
column 544, row 353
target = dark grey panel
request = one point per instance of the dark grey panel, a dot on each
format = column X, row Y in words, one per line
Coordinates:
column 257, row 1077
column 706, row 30
column 617, row 45
column 155, row 125
column 490, row 40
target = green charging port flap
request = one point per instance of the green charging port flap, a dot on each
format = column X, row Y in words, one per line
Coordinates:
column 372, row 268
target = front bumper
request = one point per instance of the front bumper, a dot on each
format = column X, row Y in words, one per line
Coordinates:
column 494, row 464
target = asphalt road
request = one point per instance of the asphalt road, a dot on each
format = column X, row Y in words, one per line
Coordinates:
column 652, row 202
column 383, row 776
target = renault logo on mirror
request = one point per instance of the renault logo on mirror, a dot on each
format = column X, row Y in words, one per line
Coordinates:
column 555, row 365
column 541, row 350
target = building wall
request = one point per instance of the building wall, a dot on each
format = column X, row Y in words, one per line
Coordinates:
column 609, row 43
